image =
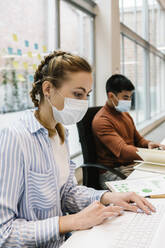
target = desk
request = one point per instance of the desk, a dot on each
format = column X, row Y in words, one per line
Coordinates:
column 104, row 234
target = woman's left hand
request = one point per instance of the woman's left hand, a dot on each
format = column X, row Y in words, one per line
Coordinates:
column 125, row 200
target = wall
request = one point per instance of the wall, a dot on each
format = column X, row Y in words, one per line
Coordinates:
column 107, row 29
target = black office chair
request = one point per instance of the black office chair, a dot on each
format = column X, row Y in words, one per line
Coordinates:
column 90, row 167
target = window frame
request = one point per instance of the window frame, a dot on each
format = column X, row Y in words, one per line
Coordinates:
column 143, row 41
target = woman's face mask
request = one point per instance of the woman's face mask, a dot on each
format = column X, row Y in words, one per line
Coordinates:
column 71, row 98
column 73, row 111
column 123, row 105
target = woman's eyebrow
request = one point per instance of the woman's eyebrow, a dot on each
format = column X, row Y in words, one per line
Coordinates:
column 81, row 88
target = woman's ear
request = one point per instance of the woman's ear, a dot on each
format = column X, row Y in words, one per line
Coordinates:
column 46, row 86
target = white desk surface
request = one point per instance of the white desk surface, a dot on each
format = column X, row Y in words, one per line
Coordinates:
column 104, row 234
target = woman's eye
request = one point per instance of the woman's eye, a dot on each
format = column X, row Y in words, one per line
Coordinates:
column 79, row 95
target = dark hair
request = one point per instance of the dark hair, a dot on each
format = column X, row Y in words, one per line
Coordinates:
column 117, row 83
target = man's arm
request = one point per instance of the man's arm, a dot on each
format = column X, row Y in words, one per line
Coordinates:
column 141, row 142
column 138, row 139
column 107, row 134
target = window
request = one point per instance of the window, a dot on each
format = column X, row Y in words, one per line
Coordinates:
column 142, row 62
column 132, row 65
column 77, row 37
column 23, row 42
column 76, row 31
column 140, row 85
column 128, row 65
column 77, row 34
column 40, row 26
column 132, row 14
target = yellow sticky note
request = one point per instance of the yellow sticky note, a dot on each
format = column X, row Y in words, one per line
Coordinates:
column 15, row 38
column 30, row 54
column 25, row 65
column 15, row 64
column 3, row 51
column 20, row 77
column 34, row 66
column 44, row 49
column 39, row 56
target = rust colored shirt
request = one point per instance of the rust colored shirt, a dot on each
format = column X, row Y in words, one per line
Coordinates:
column 116, row 137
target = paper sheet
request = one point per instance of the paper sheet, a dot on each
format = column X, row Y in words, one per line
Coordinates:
column 142, row 186
column 151, row 155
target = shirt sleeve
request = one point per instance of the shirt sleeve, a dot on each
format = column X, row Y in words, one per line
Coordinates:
column 15, row 231
column 140, row 141
column 107, row 134
column 77, row 197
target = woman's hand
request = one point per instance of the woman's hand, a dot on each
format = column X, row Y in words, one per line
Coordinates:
column 90, row 216
column 95, row 214
column 125, row 199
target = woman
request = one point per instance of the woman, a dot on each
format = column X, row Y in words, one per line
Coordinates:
column 37, row 186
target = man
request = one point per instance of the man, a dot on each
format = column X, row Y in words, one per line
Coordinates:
column 115, row 133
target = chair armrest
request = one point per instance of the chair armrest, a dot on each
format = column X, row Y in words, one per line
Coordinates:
column 100, row 166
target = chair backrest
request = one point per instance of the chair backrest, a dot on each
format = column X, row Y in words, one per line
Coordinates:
column 86, row 135
column 90, row 175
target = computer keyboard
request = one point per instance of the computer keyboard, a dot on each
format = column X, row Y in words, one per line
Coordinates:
column 139, row 229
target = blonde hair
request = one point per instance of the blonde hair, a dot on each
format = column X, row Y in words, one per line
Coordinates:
column 54, row 68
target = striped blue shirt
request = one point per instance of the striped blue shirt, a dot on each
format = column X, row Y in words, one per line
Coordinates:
column 31, row 200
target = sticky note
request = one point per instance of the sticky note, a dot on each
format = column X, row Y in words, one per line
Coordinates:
column 15, row 38
column 34, row 66
column 10, row 50
column 25, row 65
column 39, row 56
column 30, row 54
column 44, row 49
column 20, row 77
column 3, row 51
column 35, row 46
column 31, row 78
column 19, row 52
column 26, row 43
column 15, row 64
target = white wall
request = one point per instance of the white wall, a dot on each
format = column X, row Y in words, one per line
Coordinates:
column 107, row 29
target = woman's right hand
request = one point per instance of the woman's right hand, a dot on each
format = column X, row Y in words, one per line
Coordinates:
column 90, row 216
column 95, row 214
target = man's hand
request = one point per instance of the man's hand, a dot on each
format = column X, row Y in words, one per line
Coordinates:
column 125, row 200
column 152, row 145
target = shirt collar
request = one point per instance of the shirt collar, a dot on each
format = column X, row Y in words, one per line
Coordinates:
column 111, row 109
column 32, row 123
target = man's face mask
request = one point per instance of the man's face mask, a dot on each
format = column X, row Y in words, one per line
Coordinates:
column 123, row 105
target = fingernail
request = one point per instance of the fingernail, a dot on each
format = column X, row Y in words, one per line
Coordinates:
column 139, row 210
column 116, row 214
column 122, row 212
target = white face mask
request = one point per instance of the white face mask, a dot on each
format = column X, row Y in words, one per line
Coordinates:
column 73, row 111
column 123, row 105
